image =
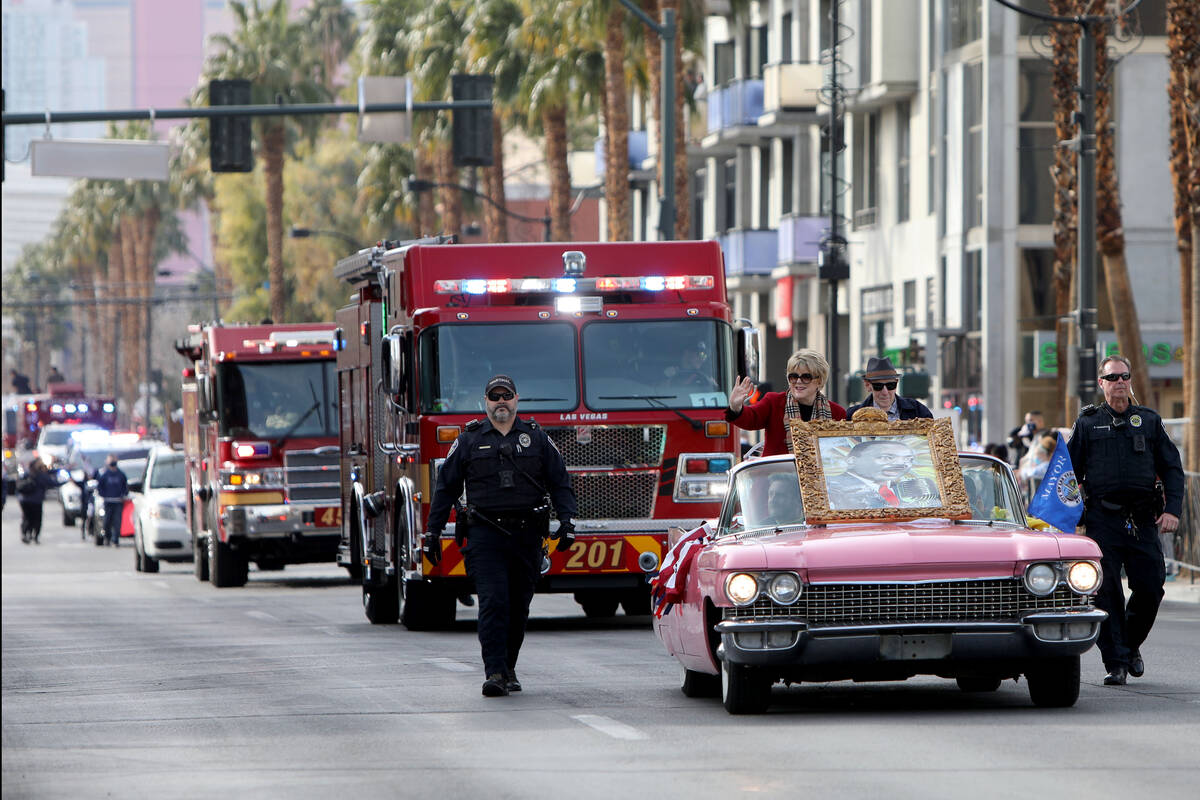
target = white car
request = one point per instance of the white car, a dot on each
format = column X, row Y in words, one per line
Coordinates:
column 86, row 454
column 54, row 439
column 160, row 513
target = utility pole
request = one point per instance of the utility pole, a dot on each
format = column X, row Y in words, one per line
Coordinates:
column 832, row 265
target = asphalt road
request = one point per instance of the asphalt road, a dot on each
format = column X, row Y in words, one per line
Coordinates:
column 125, row 685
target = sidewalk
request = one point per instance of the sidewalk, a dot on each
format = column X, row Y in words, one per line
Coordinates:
column 1182, row 589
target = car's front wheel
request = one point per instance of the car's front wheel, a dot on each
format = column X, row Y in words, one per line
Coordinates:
column 744, row 690
column 1054, row 683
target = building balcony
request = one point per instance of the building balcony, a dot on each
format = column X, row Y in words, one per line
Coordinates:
column 749, row 252
column 799, row 240
column 792, row 87
column 639, row 150
column 733, row 112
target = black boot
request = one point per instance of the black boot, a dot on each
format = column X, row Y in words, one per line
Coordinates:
column 496, row 685
column 1137, row 667
column 513, row 685
column 1116, row 676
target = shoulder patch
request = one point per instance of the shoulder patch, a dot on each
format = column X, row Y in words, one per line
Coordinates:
column 532, row 423
column 1088, row 409
column 474, row 424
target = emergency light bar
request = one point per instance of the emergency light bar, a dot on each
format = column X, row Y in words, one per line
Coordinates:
column 648, row 283
column 278, row 339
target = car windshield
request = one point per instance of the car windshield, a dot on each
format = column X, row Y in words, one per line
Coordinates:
column 457, row 360
column 167, row 473
column 764, row 495
column 57, row 436
column 990, row 490
column 275, row 400
column 632, row 364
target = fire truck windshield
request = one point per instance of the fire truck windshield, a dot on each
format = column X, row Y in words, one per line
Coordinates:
column 457, row 360
column 268, row 400
column 632, row 364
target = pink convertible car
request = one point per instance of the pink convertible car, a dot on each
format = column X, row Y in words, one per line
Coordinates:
column 771, row 598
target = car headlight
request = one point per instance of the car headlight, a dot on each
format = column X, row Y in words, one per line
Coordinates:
column 1041, row 579
column 785, row 588
column 1083, row 576
column 165, row 511
column 742, row 588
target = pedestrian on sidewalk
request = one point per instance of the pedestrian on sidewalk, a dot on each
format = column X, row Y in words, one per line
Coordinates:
column 31, row 492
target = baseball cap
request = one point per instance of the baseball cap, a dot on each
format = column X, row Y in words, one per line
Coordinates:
column 499, row 382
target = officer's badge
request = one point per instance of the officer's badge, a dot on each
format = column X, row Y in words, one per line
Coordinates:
column 524, row 440
column 1136, row 420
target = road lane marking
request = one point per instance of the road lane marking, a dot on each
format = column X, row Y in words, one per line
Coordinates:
column 161, row 584
column 450, row 665
column 261, row 615
column 610, row 727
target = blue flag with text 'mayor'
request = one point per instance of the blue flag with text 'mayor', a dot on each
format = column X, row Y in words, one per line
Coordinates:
column 1058, row 500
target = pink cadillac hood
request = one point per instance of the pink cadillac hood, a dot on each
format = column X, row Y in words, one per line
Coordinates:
column 899, row 551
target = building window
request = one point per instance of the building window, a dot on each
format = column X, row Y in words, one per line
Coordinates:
column 729, row 172
column 943, row 274
column 973, row 146
column 973, row 291
column 785, row 38
column 1036, row 310
column 722, row 63
column 931, row 152
column 876, row 317
column 764, row 188
column 931, row 317
column 910, row 304
column 696, row 223
column 903, row 145
column 787, row 176
column 1036, row 140
column 964, row 22
column 867, row 166
column 865, row 73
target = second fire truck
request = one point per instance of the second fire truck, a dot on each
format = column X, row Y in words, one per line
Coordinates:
column 623, row 353
column 260, row 423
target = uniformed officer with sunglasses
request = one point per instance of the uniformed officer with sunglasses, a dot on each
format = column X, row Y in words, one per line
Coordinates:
column 1119, row 452
column 513, row 475
column 881, row 380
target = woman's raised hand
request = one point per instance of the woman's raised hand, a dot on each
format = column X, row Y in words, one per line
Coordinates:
column 740, row 394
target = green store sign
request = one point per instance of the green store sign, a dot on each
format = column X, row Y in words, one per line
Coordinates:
column 1163, row 352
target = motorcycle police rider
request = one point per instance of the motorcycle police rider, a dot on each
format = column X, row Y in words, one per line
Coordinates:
column 513, row 474
column 1117, row 451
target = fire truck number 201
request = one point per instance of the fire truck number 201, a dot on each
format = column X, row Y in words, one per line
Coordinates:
column 596, row 554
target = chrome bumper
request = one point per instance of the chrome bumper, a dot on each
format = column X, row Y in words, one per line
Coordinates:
column 273, row 521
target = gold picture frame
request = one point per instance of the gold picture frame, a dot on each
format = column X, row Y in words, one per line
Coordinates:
column 873, row 469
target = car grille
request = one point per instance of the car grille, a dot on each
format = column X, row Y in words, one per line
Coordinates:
column 614, row 469
column 994, row 599
column 311, row 477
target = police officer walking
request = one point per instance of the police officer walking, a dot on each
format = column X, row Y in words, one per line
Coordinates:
column 112, row 485
column 513, row 474
column 1118, row 450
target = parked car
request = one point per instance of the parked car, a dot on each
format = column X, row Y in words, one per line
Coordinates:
column 161, row 531
column 772, row 597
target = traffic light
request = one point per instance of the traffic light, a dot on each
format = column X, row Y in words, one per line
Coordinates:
column 229, row 138
column 472, row 127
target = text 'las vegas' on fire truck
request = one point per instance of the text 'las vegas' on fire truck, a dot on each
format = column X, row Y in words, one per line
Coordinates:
column 594, row 335
column 260, row 428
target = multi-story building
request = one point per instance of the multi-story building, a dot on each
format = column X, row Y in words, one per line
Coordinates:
column 945, row 191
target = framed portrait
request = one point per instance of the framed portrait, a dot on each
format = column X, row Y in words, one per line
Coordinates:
column 873, row 469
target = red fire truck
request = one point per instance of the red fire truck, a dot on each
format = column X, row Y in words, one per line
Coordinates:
column 65, row 403
column 623, row 353
column 260, row 436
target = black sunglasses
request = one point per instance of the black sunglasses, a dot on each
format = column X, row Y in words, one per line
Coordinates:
column 805, row 378
column 1115, row 376
column 879, row 387
column 496, row 397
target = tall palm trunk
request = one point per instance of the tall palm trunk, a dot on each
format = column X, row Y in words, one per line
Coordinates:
column 493, row 176
column 272, row 145
column 616, row 121
column 1109, row 230
column 1064, row 40
column 113, row 292
column 131, row 317
column 554, row 120
column 1193, row 345
column 683, row 205
column 451, row 196
column 1183, row 33
column 426, row 213
column 654, row 69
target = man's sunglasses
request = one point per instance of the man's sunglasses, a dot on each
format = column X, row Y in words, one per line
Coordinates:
column 496, row 397
column 879, row 387
column 1113, row 377
column 805, row 378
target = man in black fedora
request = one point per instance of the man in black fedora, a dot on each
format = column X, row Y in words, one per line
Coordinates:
column 881, row 380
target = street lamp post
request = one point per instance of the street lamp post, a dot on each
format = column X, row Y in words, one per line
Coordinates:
column 298, row 232
column 417, row 185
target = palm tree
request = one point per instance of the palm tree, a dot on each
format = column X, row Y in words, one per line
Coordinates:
column 331, row 30
column 1064, row 41
column 1111, row 235
column 269, row 50
column 1183, row 88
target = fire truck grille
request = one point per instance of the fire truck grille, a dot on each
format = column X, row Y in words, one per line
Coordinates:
column 610, row 446
column 615, row 495
column 311, row 477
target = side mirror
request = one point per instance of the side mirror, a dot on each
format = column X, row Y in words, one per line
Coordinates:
column 204, row 393
column 136, row 486
column 395, row 368
column 749, row 356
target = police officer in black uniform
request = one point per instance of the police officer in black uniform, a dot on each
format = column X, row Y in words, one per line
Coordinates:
column 1118, row 451
column 513, row 474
